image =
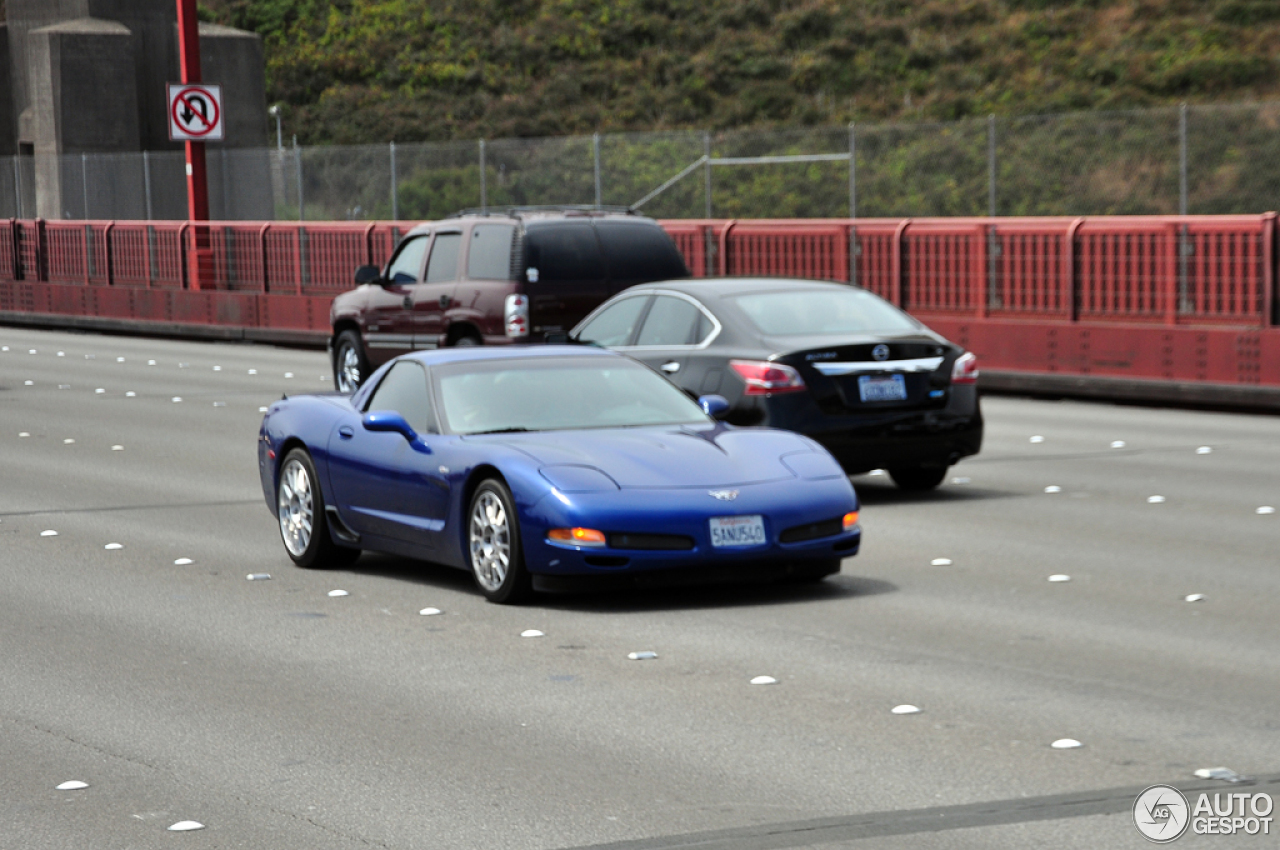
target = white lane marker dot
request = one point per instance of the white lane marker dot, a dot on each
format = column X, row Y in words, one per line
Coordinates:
column 49, row 533
column 531, row 633
column 183, row 365
column 182, row 562
column 1037, row 439
column 186, row 826
column 217, row 368
column 130, row 394
column 28, row 383
column 959, row 480
column 258, row 576
column 151, row 362
column 1057, row 577
column 111, row 547
column 99, row 391
column 24, row 433
column 119, row 359
column 253, row 371
column 219, row 404
column 288, row 374
column 68, row 441
column 643, row 655
column 1117, row 444
column 764, row 680
column 72, row 785
column 1053, row 488
column 940, row 562
column 91, row 357
column 1066, row 744
column 177, row 399
column 905, row 709
column 1194, row 597
column 117, row 448
column 1224, row 773
column 64, row 386
column 430, row 612
column 32, row 351
column 1155, row 500
column 336, row 593
column 1204, row 450
column 1265, row 509
column 262, row 410
column 62, row 354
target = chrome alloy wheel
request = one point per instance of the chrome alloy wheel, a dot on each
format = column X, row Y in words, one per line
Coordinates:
column 348, row 369
column 296, row 507
column 490, row 538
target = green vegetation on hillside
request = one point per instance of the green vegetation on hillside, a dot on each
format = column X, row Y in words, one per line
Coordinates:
column 352, row 71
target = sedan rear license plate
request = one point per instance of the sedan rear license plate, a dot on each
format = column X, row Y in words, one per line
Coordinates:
column 892, row 388
column 729, row 531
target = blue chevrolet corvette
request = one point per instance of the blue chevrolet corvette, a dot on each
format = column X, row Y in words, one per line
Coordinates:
column 533, row 466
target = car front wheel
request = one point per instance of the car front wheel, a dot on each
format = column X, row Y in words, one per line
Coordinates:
column 304, row 528
column 350, row 365
column 493, row 544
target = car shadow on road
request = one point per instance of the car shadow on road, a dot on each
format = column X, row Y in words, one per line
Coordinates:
column 880, row 491
column 843, row 585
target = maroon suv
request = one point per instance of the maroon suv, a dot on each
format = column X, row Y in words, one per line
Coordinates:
column 492, row 279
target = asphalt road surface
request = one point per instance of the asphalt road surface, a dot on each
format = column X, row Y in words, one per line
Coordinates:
column 280, row 717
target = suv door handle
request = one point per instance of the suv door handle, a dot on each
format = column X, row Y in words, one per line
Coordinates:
column 444, row 301
column 670, row 367
column 408, row 303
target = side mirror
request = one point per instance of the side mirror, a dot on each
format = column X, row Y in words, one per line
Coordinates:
column 715, row 406
column 368, row 274
column 390, row 421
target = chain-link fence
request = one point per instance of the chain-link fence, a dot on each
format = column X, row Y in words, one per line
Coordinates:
column 1196, row 160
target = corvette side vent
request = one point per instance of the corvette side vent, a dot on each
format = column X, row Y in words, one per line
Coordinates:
column 652, row 542
column 812, row 531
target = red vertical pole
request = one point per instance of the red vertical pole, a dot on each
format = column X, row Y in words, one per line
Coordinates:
column 201, row 257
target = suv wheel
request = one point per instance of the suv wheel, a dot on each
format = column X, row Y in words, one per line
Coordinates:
column 350, row 366
column 918, row 477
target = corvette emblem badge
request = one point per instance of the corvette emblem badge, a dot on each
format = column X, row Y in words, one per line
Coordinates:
column 724, row 495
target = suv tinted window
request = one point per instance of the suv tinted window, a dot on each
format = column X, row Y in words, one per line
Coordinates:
column 671, row 321
column 404, row 390
column 408, row 262
column 565, row 252
column 489, row 256
column 639, row 252
column 443, row 265
column 614, row 324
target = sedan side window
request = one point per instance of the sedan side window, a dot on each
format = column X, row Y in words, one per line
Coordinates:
column 404, row 390
column 407, row 264
column 489, row 257
column 614, row 324
column 671, row 321
column 443, row 265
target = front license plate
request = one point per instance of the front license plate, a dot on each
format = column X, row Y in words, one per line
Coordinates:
column 729, row 531
column 892, row 388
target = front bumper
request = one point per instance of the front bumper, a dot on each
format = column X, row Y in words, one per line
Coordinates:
column 687, row 513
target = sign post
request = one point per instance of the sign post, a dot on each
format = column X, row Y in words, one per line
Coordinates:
column 193, row 99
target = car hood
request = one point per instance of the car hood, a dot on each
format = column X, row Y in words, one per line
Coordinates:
column 694, row 456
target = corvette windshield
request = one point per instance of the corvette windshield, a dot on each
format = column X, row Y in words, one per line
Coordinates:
column 820, row 312
column 544, row 394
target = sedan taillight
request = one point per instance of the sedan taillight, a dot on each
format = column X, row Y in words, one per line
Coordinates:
column 965, row 371
column 764, row 378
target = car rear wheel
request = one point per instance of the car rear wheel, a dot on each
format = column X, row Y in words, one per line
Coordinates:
column 350, row 365
column 918, row 477
column 493, row 544
column 300, row 508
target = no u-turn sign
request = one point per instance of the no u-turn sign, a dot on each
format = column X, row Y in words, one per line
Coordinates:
column 195, row 112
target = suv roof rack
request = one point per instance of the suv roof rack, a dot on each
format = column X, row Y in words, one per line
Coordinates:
column 569, row 209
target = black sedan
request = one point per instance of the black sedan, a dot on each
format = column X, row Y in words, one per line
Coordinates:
column 875, row 387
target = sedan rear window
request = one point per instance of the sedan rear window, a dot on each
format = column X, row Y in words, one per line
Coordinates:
column 822, row 311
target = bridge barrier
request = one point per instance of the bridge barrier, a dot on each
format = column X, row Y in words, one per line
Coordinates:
column 1181, row 307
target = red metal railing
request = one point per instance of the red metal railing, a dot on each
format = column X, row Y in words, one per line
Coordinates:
column 1210, row 270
